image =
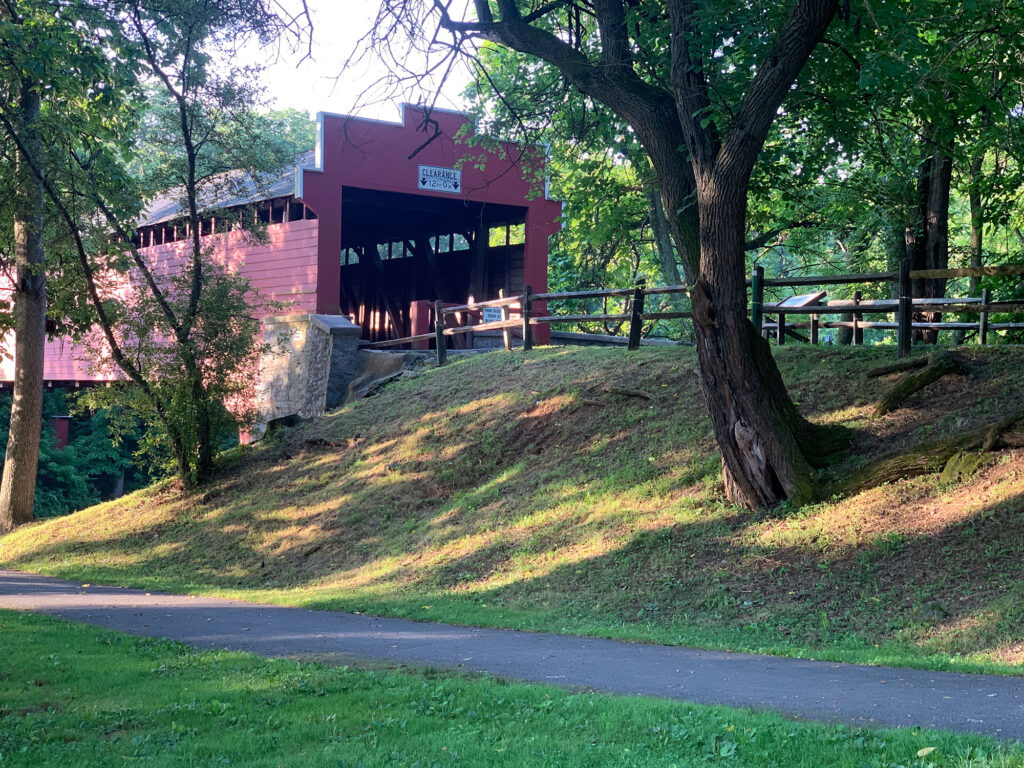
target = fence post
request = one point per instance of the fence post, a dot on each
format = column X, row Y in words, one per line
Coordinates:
column 858, row 332
column 527, row 328
column 636, row 321
column 780, row 329
column 442, row 345
column 983, row 321
column 904, row 311
column 506, row 333
column 814, row 329
column 757, row 297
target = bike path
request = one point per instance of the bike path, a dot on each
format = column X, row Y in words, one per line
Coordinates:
column 814, row 690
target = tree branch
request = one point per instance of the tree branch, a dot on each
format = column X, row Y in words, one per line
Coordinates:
column 691, row 88
column 87, row 271
column 611, row 21
column 775, row 75
column 762, row 240
column 139, row 262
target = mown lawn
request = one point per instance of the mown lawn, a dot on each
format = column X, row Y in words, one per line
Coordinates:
column 578, row 490
column 77, row 696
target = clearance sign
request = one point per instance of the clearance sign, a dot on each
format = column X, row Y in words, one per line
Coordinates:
column 436, row 179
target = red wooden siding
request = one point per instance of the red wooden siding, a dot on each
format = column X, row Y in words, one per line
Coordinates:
column 283, row 269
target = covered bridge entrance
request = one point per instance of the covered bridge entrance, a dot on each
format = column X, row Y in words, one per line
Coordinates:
column 412, row 212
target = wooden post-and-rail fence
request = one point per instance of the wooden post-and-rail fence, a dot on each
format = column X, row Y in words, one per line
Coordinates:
column 902, row 308
column 527, row 320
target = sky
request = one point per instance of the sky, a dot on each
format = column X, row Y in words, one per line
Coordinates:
column 321, row 84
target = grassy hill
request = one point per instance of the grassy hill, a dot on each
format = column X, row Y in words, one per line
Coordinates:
column 578, row 490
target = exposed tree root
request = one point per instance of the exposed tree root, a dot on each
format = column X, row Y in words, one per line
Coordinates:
column 954, row 454
column 629, row 392
column 937, row 366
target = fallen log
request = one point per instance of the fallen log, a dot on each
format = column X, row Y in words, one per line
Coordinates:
column 629, row 392
column 937, row 366
column 937, row 455
column 900, row 367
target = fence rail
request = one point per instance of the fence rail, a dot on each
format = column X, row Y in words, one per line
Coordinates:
column 903, row 308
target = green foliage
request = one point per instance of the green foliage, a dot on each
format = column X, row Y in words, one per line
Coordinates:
column 86, row 72
column 835, row 189
column 597, row 169
column 225, row 341
column 240, row 145
column 185, row 340
column 141, row 99
column 85, row 471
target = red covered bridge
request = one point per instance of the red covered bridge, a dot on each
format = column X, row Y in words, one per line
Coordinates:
column 379, row 217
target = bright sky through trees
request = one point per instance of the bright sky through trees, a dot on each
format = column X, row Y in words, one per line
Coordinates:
column 320, row 83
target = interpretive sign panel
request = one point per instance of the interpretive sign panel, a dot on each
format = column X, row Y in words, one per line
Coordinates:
column 803, row 300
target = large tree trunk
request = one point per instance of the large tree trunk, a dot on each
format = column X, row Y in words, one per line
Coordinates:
column 662, row 236
column 18, row 487
column 977, row 232
column 763, row 439
column 661, row 229
column 663, row 242
column 755, row 422
column 977, row 223
column 764, row 442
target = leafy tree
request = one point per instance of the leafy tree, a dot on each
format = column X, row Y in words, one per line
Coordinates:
column 22, row 91
column 223, row 341
column 45, row 49
column 188, row 341
column 516, row 96
column 181, row 47
column 91, row 467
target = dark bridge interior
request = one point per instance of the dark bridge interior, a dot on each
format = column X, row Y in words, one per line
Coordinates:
column 400, row 248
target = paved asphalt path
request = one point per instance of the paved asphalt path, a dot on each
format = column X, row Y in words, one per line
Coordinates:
column 813, row 690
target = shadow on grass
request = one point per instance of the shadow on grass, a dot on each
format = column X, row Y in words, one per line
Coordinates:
column 561, row 503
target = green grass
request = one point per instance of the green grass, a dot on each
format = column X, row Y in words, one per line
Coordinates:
column 530, row 492
column 79, row 696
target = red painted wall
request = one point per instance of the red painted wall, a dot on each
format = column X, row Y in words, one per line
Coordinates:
column 284, row 268
column 62, row 426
